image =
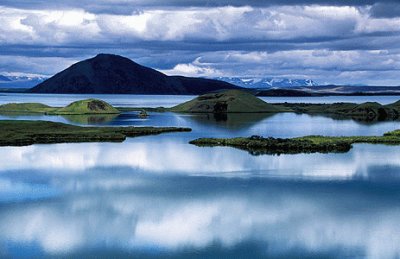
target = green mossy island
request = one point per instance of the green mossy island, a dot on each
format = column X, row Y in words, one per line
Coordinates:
column 257, row 145
column 231, row 101
column 23, row 133
column 236, row 101
column 369, row 111
column 89, row 106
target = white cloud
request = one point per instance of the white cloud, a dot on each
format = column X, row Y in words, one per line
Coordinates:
column 47, row 27
column 215, row 24
column 196, row 68
column 33, row 65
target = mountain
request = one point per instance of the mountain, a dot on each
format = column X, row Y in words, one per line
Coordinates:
column 4, row 79
column 248, row 82
column 113, row 74
column 20, row 81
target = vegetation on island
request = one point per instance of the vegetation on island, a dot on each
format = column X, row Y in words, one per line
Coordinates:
column 89, row 106
column 257, row 145
column 23, row 133
column 25, row 108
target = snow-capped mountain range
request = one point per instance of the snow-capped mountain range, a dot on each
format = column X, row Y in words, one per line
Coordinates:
column 250, row 82
column 22, row 81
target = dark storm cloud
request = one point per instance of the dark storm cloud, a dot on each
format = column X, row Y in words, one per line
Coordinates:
column 386, row 10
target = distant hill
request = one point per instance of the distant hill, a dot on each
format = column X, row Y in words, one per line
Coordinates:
column 113, row 74
column 230, row 101
column 260, row 83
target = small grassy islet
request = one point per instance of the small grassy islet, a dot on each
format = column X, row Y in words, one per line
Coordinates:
column 257, row 145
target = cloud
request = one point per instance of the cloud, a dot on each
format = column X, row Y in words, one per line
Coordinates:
column 258, row 38
column 195, row 68
column 124, row 6
column 385, row 10
column 34, row 65
column 201, row 25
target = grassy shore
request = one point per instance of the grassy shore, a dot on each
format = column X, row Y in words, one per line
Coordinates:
column 23, row 133
column 257, row 145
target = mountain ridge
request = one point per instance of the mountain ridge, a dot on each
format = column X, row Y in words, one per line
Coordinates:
column 267, row 82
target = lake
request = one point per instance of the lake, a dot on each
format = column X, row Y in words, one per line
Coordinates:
column 160, row 197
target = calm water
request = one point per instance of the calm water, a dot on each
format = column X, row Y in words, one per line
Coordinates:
column 171, row 100
column 158, row 196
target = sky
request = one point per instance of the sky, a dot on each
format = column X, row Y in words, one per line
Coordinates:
column 337, row 41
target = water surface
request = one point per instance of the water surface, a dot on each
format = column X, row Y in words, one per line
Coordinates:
column 159, row 197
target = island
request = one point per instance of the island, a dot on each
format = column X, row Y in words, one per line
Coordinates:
column 24, row 133
column 82, row 107
column 257, row 145
column 237, row 101
column 229, row 101
column 368, row 111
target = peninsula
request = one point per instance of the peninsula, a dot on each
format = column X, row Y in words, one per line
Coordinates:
column 24, row 133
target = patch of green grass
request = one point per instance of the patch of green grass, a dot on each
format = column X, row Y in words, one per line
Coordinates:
column 89, row 106
column 22, row 133
column 25, row 108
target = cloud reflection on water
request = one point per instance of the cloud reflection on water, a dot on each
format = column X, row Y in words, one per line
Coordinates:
column 172, row 157
column 175, row 213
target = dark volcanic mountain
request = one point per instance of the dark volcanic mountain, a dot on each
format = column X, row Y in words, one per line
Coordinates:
column 113, row 74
